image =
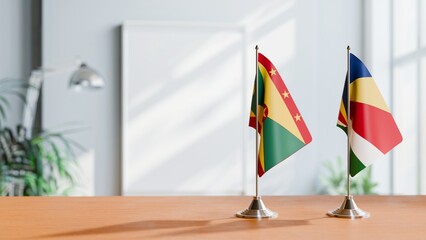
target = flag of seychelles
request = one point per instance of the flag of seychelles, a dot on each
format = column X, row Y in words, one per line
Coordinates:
column 280, row 125
column 373, row 131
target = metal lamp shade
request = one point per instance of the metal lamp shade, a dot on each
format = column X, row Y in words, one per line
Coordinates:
column 86, row 77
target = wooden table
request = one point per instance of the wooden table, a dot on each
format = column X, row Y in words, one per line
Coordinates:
column 300, row 217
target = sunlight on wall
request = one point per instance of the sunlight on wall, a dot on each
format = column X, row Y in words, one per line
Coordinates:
column 206, row 51
column 266, row 13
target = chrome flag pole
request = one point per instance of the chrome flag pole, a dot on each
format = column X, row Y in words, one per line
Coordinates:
column 348, row 209
column 257, row 208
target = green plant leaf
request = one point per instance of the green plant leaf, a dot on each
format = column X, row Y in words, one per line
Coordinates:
column 48, row 160
column 334, row 176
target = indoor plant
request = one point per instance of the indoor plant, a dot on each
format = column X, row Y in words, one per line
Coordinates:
column 333, row 181
column 38, row 165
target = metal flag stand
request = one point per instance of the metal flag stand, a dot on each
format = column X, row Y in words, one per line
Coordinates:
column 348, row 209
column 257, row 208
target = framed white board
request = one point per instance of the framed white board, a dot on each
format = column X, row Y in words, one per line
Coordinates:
column 183, row 112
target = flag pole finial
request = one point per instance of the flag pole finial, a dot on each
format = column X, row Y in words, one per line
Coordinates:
column 348, row 48
column 257, row 47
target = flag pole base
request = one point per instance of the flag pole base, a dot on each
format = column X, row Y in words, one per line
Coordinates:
column 257, row 209
column 348, row 209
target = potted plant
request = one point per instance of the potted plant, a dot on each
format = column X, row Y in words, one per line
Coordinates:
column 334, row 180
column 40, row 164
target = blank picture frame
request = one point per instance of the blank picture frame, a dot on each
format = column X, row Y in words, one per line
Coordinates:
column 183, row 117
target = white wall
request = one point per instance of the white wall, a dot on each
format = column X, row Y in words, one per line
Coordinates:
column 306, row 40
column 15, row 48
column 394, row 54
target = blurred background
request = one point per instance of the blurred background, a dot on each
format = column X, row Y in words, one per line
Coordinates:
column 172, row 116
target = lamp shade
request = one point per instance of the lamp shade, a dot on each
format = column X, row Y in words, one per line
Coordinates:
column 86, row 77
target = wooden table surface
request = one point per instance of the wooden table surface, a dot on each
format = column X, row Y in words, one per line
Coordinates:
column 300, row 217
